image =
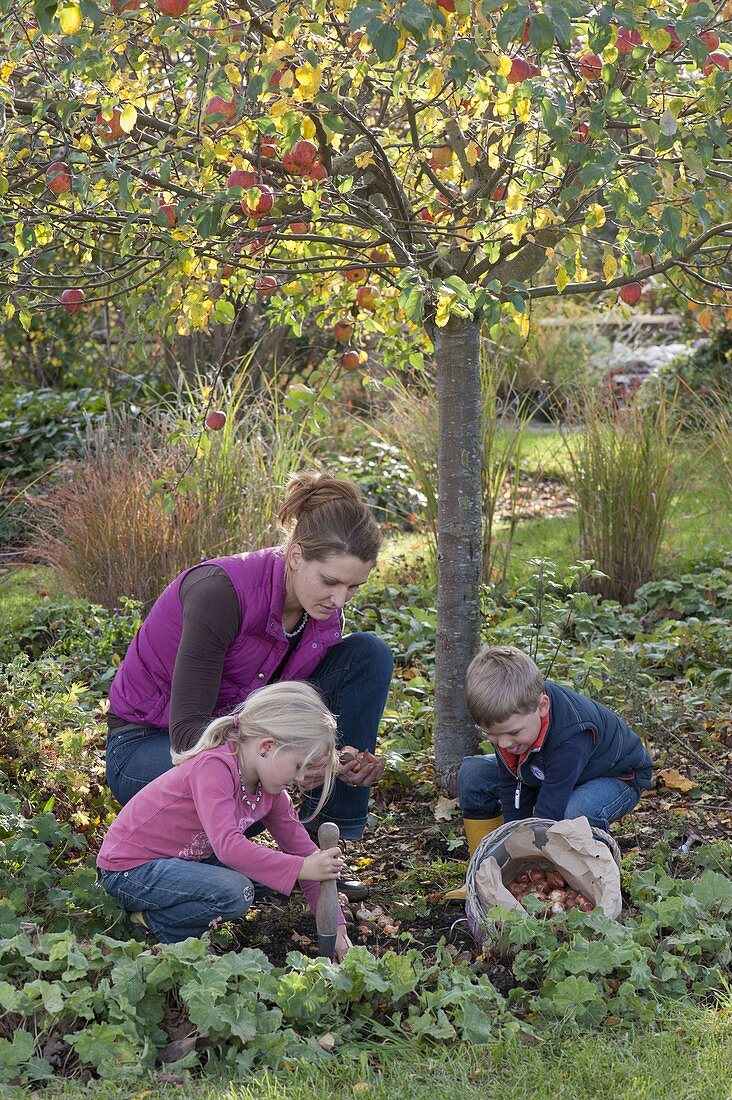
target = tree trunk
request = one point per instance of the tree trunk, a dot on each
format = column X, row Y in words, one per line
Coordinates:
column 459, row 550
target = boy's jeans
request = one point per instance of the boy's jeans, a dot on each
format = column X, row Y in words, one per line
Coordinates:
column 353, row 678
column 180, row 897
column 600, row 800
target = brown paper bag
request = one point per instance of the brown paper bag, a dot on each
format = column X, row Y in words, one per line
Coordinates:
column 570, row 848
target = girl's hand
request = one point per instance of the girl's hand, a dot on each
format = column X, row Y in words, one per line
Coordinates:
column 342, row 944
column 321, row 866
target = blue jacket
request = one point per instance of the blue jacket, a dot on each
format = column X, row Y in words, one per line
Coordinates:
column 584, row 740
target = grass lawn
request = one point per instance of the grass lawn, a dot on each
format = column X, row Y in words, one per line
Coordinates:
column 689, row 1057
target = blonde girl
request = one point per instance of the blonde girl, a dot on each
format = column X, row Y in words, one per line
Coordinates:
column 177, row 858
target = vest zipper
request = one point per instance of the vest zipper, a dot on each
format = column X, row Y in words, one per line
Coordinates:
column 517, row 796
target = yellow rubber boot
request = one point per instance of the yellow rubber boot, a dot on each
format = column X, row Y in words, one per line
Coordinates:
column 475, row 829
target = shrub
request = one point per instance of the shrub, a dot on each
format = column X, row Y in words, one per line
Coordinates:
column 52, row 741
column 154, row 496
column 624, row 473
column 41, row 427
column 704, row 373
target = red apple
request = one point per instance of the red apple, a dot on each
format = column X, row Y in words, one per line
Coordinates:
column 215, row 420
column 425, row 215
column 73, row 299
column 265, row 285
column 355, row 274
column 446, row 5
column 714, row 61
column 227, row 271
column 175, row 8
column 240, row 177
column 675, row 40
column 318, row 171
column 580, row 132
column 590, row 66
column 259, row 241
column 300, row 157
column 628, row 40
column 526, row 33
column 218, row 112
column 125, row 5
column 342, row 331
column 498, row 193
column 268, row 146
column 170, row 210
column 110, row 129
column 441, row 156
column 710, row 40
column 367, row 297
column 298, row 228
column 257, row 208
column 58, row 178
column 630, row 293
column 521, row 70
column 350, row 359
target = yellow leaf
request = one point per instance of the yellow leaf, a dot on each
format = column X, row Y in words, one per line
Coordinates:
column 515, row 203
column 675, row 781
column 307, row 128
column 562, row 278
column 309, row 78
column 523, row 109
column 363, row 159
column 435, row 82
column 524, row 324
column 472, row 153
column 705, row 318
column 504, row 65
column 595, row 217
column 70, row 18
column 9, row 310
column 609, row 266
column 128, row 118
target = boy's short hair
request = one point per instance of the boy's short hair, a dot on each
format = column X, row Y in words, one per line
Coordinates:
column 501, row 681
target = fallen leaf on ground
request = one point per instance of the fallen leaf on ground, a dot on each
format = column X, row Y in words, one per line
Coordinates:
column 675, row 781
column 445, row 808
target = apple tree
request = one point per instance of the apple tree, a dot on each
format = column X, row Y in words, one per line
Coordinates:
column 405, row 175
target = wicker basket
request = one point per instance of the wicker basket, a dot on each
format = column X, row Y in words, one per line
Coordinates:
column 493, row 845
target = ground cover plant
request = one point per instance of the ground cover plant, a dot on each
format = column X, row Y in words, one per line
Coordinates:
column 83, row 1000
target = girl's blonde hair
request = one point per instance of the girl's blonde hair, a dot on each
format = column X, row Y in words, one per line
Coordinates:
column 293, row 714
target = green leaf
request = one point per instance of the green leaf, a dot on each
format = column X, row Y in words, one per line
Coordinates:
column 511, row 25
column 542, row 32
column 385, row 40
column 714, row 892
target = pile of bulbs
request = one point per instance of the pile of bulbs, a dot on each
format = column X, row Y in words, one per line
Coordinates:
column 551, row 888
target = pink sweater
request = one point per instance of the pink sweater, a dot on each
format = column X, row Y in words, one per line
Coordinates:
column 196, row 810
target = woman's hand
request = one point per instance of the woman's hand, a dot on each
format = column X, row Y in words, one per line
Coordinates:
column 352, row 770
column 342, row 944
column 321, row 866
column 359, row 769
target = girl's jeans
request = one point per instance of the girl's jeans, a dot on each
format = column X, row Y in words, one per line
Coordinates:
column 353, row 679
column 599, row 800
column 180, row 897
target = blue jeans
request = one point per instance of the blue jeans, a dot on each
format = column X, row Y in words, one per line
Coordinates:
column 180, row 897
column 600, row 800
column 353, row 679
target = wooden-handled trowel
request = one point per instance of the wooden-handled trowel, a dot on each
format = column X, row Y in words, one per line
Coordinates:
column 328, row 909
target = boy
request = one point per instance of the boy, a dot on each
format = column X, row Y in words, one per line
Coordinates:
column 557, row 754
